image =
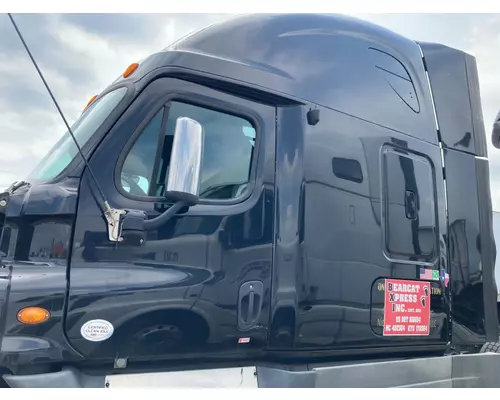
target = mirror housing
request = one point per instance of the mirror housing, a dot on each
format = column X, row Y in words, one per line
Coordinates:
column 495, row 135
column 184, row 178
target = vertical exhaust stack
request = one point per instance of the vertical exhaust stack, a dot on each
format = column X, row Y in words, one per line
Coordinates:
column 454, row 83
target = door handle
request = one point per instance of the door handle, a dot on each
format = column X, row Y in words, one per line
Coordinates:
column 410, row 204
column 249, row 304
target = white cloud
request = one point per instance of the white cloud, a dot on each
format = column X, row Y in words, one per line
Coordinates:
column 26, row 134
column 80, row 60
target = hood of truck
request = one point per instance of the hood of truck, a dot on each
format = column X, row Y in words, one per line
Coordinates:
column 30, row 212
column 37, row 223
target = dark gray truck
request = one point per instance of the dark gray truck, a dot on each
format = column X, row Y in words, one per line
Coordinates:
column 275, row 200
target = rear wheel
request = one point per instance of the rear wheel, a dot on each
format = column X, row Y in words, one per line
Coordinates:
column 490, row 347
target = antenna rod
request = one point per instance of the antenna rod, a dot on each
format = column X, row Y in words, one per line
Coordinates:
column 106, row 205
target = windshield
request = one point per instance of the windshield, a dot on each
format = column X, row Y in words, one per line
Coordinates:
column 85, row 126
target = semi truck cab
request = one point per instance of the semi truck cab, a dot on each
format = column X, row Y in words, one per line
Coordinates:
column 260, row 200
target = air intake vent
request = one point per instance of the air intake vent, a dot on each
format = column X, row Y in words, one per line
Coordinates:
column 397, row 77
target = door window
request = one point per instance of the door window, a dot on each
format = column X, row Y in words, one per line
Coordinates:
column 137, row 170
column 229, row 143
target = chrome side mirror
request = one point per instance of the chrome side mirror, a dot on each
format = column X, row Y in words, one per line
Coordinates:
column 184, row 177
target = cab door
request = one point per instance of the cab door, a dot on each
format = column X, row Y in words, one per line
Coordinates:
column 199, row 285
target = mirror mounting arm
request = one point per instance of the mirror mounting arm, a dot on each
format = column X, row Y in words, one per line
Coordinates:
column 155, row 223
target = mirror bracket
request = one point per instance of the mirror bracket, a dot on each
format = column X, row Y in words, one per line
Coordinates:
column 133, row 230
column 114, row 221
column 125, row 225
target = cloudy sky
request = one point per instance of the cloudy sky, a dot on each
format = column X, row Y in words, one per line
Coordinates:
column 80, row 54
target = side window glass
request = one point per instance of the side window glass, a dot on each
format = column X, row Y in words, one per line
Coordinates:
column 137, row 170
column 227, row 154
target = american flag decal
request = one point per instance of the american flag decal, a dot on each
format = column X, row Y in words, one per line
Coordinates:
column 426, row 274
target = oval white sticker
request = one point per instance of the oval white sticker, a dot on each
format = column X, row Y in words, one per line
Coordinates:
column 97, row 330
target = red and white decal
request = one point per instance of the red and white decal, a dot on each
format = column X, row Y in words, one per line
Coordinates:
column 407, row 308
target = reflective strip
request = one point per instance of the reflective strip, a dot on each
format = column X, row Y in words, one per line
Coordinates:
column 209, row 378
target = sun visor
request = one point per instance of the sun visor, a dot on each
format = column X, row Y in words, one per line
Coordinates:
column 455, row 88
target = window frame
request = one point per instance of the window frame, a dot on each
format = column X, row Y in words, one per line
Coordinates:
column 197, row 100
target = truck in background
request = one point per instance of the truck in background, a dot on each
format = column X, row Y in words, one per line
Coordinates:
column 496, row 232
column 308, row 201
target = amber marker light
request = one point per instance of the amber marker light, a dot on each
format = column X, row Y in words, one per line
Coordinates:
column 130, row 70
column 33, row 315
column 90, row 102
